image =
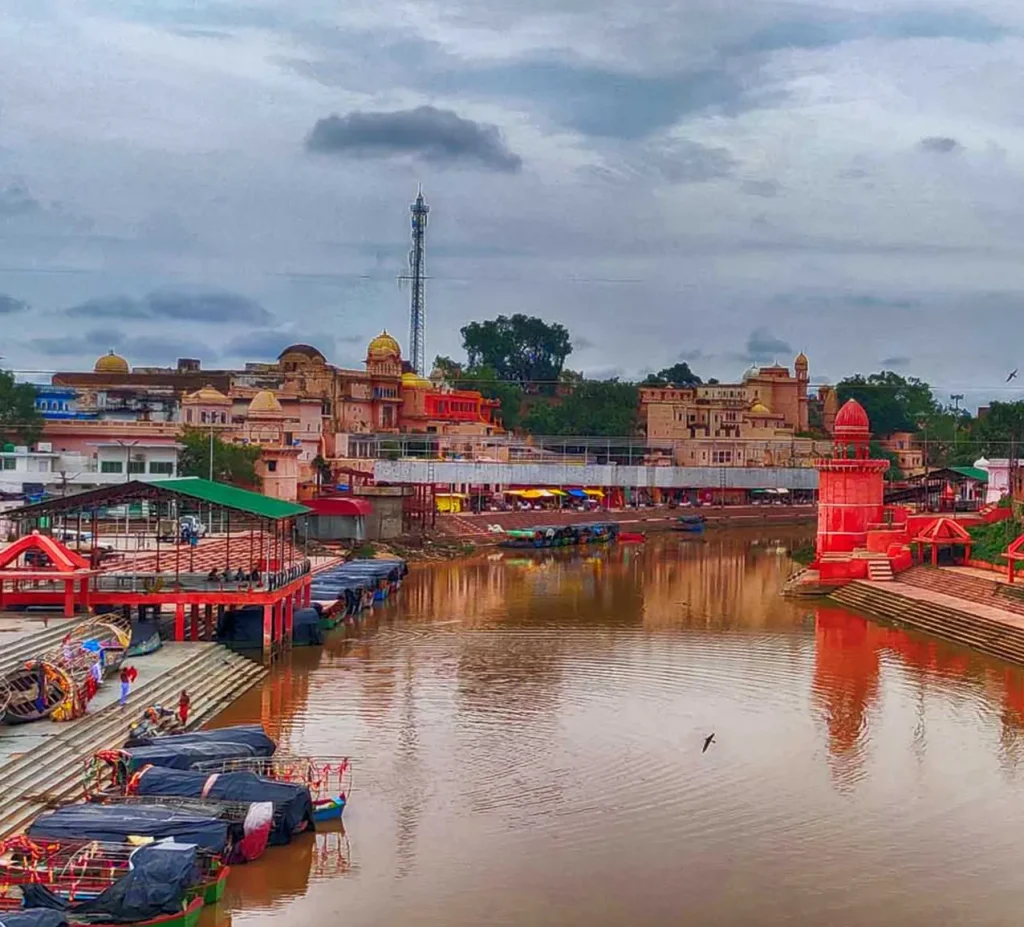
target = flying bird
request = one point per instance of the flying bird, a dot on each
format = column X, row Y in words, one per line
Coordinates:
column 708, row 741
column 1013, row 375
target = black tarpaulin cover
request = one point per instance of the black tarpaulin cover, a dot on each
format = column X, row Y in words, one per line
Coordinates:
column 250, row 735
column 293, row 805
column 116, row 823
column 37, row 917
column 175, row 754
column 156, row 885
column 306, row 628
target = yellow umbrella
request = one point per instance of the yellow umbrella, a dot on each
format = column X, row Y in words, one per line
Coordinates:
column 593, row 492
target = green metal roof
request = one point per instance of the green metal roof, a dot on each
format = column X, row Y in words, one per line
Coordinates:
column 972, row 473
column 233, row 498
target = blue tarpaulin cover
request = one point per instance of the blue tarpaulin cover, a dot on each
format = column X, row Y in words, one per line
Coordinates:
column 293, row 805
column 116, row 823
column 181, row 754
column 160, row 876
column 38, row 917
column 249, row 735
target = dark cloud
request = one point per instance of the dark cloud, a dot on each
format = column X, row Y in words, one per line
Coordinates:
column 137, row 349
column 9, row 305
column 267, row 344
column 691, row 162
column 764, row 188
column 763, row 346
column 939, row 144
column 215, row 306
column 896, row 362
column 438, row 136
column 16, row 200
column 818, row 301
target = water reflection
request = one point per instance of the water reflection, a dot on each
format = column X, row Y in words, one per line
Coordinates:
column 527, row 732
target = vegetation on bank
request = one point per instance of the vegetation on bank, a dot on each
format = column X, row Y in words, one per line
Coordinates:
column 989, row 542
column 804, row 553
column 232, row 463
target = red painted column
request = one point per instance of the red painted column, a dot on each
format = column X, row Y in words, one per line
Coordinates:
column 179, row 621
column 69, row 598
column 289, row 617
column 194, row 629
column 307, row 594
column 268, row 618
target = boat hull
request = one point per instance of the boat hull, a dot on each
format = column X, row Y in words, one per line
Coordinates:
column 330, row 809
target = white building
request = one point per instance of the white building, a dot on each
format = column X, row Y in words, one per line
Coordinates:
column 30, row 472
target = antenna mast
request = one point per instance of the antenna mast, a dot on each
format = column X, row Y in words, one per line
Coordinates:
column 417, row 266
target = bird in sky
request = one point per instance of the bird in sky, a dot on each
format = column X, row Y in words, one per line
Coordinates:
column 708, row 741
column 1013, row 375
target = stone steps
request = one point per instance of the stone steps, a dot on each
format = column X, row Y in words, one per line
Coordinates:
column 54, row 773
column 880, row 571
column 965, row 586
column 1002, row 641
column 29, row 646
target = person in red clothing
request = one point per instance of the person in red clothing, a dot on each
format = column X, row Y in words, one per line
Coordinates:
column 183, row 705
column 128, row 674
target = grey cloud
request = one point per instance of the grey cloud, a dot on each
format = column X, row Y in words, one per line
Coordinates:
column 762, row 346
column 691, row 162
column 9, row 305
column 138, row 349
column 16, row 200
column 817, row 301
column 896, row 362
column 214, row 306
column 764, row 188
column 437, row 136
column 939, row 144
column 267, row 344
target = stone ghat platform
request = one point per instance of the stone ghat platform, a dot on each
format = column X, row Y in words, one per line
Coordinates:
column 43, row 764
column 984, row 624
column 652, row 518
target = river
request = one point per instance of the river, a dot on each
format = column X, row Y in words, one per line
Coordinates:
column 527, row 736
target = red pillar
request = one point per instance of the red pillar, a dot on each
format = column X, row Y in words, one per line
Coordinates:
column 935, row 554
column 179, row 621
column 268, row 617
column 289, row 617
column 307, row 594
column 69, row 598
column 194, row 629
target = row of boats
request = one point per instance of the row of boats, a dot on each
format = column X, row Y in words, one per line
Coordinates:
column 165, row 818
column 588, row 533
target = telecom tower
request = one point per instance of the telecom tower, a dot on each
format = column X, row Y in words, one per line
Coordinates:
column 417, row 267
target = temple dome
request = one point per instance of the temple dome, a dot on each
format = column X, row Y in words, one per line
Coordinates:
column 208, row 395
column 801, row 360
column 383, row 347
column 111, row 363
column 415, row 381
column 306, row 350
column 852, row 418
column 759, row 408
column 751, row 371
column 265, row 402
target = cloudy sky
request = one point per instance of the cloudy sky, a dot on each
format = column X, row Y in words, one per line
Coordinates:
column 720, row 181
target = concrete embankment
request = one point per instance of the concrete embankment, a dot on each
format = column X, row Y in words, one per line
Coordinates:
column 986, row 628
column 43, row 764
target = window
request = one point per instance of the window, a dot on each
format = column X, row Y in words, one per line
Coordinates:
column 10, row 463
column 136, row 466
column 111, row 466
column 163, row 467
column 272, row 466
column 188, row 415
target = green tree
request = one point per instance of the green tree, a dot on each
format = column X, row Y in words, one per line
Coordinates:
column 678, row 375
column 524, row 349
column 486, row 381
column 451, row 370
column 20, row 421
column 607, row 408
column 994, row 435
column 232, row 463
column 893, row 402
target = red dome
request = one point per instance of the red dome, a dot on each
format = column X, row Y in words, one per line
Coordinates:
column 852, row 417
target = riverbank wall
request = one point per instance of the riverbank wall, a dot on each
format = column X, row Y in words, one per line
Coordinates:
column 993, row 625
column 480, row 529
column 43, row 764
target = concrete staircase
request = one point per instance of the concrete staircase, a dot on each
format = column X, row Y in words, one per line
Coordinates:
column 1003, row 641
column 53, row 773
column 880, row 571
column 966, row 586
column 29, row 646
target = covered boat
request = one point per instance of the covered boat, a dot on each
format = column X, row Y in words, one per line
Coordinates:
column 145, row 639
column 124, row 823
column 156, row 889
column 293, row 804
column 693, row 524
column 250, row 736
column 36, row 917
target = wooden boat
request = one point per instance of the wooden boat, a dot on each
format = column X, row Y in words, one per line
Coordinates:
column 189, row 916
column 632, row 537
column 329, row 809
column 693, row 524
column 150, row 645
column 37, row 689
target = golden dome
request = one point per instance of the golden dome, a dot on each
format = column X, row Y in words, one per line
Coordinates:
column 111, row 363
column 801, row 360
column 415, row 381
column 265, row 402
column 208, row 395
column 759, row 408
column 383, row 346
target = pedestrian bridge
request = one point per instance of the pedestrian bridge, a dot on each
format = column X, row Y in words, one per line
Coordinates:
column 496, row 473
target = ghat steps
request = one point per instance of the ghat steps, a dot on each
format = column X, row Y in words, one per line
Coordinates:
column 53, row 773
column 939, row 615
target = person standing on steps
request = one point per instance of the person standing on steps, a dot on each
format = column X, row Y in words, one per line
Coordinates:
column 183, row 705
column 128, row 674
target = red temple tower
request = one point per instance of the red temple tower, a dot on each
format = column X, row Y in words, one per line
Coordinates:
column 850, row 488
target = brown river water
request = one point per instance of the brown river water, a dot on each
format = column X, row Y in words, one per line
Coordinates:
column 527, row 736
